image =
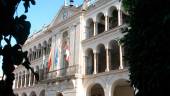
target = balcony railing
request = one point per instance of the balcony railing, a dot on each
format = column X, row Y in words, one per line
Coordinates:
column 63, row 73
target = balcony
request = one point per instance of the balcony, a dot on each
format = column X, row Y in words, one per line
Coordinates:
column 112, row 33
column 62, row 74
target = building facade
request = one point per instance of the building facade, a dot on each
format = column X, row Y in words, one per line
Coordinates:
column 83, row 44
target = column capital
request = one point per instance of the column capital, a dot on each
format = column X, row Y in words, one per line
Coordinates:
column 106, row 14
column 107, row 47
column 95, row 20
column 95, row 52
column 108, row 59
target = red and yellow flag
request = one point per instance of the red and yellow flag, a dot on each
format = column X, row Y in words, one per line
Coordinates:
column 50, row 60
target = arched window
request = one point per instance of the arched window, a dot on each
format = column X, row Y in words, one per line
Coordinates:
column 42, row 93
column 16, row 80
column 32, row 78
column 89, row 28
column 37, row 70
column 24, row 94
column 19, row 82
column 113, row 19
column 23, row 78
column 101, row 23
column 39, row 51
column 101, row 58
column 89, row 61
column 33, row 93
column 114, row 55
column 44, row 47
column 49, row 45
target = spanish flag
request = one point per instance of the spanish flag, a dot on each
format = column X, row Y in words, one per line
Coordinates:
column 50, row 60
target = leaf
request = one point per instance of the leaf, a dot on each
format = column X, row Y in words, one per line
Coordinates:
column 33, row 2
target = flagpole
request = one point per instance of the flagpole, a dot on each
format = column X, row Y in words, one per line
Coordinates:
column 54, row 52
column 74, row 43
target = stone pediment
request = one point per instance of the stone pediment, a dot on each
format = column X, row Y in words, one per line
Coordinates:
column 64, row 13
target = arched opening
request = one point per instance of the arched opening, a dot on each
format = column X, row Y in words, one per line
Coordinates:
column 101, row 58
column 101, row 23
column 125, row 17
column 45, row 72
column 89, row 28
column 30, row 55
column 24, row 94
column 23, row 78
column 35, row 53
column 27, row 77
column 123, row 88
column 16, row 80
column 37, row 70
column 97, row 90
column 19, row 81
column 32, row 78
column 59, row 94
column 125, row 62
column 89, row 61
column 33, row 93
column 41, row 73
column 39, row 51
column 44, row 48
column 16, row 94
column 42, row 93
column 113, row 19
column 114, row 55
column 124, row 13
column 49, row 46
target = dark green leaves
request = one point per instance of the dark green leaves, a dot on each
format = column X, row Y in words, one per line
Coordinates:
column 27, row 4
column 147, row 46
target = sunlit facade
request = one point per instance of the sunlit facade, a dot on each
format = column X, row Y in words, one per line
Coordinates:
column 86, row 54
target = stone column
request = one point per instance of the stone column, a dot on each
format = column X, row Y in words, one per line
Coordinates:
column 14, row 82
column 95, row 63
column 29, row 84
column 18, row 81
column 33, row 80
column 25, row 84
column 119, row 16
column 121, row 59
column 107, row 60
column 95, row 28
column 27, row 79
column 106, row 23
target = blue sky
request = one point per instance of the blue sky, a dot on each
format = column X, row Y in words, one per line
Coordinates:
column 41, row 14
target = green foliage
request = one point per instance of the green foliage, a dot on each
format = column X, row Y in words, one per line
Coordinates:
column 147, row 46
column 126, row 4
column 19, row 28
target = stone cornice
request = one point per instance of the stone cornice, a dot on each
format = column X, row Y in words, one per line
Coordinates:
column 103, row 34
